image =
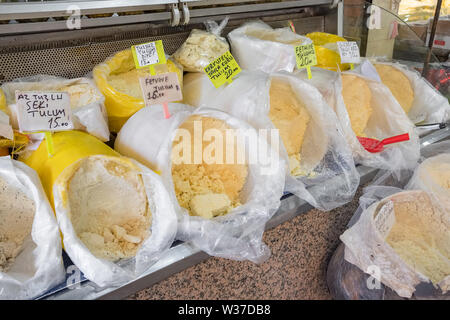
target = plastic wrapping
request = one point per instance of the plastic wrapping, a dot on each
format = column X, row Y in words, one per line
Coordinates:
column 71, row 147
column 39, row 266
column 433, row 175
column 388, row 119
column 236, row 235
column 365, row 239
column 329, row 178
column 256, row 46
column 327, row 52
column 428, row 106
column 120, row 106
column 202, row 47
column 88, row 108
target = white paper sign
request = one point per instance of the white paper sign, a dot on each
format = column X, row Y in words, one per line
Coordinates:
column 146, row 54
column 43, row 111
column 349, row 51
column 161, row 88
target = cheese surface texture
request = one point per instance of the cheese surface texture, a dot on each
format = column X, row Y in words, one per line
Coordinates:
column 290, row 116
column 16, row 220
column 421, row 236
column 207, row 188
column 357, row 96
column 398, row 83
column 108, row 207
column 200, row 49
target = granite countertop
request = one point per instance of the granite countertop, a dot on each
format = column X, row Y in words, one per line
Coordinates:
column 301, row 249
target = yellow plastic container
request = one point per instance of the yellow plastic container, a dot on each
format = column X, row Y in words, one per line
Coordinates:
column 121, row 106
column 3, row 106
column 69, row 147
column 326, row 51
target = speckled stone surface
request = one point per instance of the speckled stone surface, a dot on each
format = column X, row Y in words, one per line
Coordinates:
column 301, row 249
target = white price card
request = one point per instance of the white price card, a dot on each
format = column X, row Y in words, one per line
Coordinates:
column 148, row 54
column 349, row 51
column 43, row 111
column 161, row 88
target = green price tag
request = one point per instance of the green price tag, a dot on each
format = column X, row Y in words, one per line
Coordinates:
column 222, row 70
column 306, row 57
column 148, row 54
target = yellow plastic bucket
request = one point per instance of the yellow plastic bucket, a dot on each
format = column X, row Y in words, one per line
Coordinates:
column 69, row 147
column 121, row 106
column 327, row 54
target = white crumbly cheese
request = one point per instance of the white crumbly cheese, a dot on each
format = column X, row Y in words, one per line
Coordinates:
column 421, row 236
column 199, row 50
column 108, row 208
column 16, row 220
column 210, row 205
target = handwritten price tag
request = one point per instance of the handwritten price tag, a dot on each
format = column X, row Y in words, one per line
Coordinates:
column 222, row 70
column 161, row 88
column 349, row 51
column 43, row 111
column 148, row 54
column 305, row 55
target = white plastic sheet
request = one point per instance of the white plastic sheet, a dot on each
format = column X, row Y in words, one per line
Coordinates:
column 236, row 235
column 388, row 119
column 107, row 273
column 39, row 266
column 256, row 46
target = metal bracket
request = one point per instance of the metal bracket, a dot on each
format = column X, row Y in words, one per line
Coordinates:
column 186, row 13
column 175, row 20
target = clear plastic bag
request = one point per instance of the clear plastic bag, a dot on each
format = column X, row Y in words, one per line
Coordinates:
column 388, row 119
column 202, row 47
column 256, row 46
column 38, row 267
column 236, row 235
column 329, row 178
column 88, row 108
column 433, row 174
column 120, row 105
column 365, row 244
column 70, row 148
column 428, row 106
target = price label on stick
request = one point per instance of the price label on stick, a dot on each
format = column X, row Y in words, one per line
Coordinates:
column 349, row 51
column 222, row 70
column 306, row 57
column 43, row 111
column 148, row 54
column 161, row 88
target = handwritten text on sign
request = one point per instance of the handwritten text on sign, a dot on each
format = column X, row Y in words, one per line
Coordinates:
column 305, row 55
column 161, row 88
column 349, row 51
column 222, row 70
column 43, row 111
column 147, row 54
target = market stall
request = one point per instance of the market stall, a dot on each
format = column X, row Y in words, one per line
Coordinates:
column 132, row 209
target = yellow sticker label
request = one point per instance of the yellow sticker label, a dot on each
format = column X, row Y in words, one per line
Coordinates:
column 305, row 55
column 148, row 54
column 222, row 70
